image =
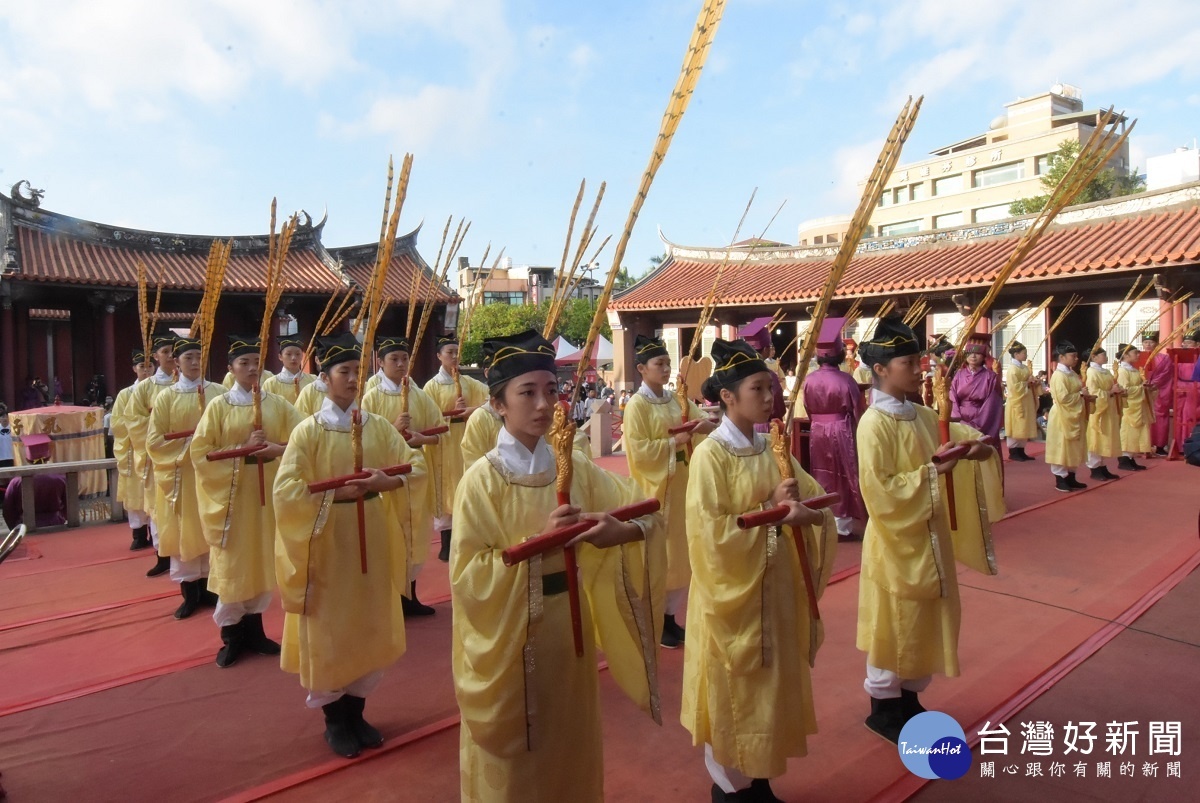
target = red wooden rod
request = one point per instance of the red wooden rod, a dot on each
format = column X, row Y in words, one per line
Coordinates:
column 334, row 483
column 686, row 426
column 572, row 569
column 178, row 436
column 951, row 507
column 547, row 542
column 761, row 518
column 453, row 413
column 946, row 455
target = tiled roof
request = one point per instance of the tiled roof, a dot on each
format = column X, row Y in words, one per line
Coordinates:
column 358, row 260
column 58, row 258
column 1143, row 241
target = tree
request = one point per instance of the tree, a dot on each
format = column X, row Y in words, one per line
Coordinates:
column 496, row 320
column 624, row 280
column 1108, row 183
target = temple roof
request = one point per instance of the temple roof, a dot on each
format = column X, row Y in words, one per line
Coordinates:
column 1139, row 232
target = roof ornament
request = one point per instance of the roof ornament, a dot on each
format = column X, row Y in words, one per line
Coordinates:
column 33, row 200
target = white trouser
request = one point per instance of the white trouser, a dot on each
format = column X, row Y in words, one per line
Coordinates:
column 1094, row 460
column 442, row 522
column 188, row 570
column 230, row 613
column 1127, row 454
column 676, row 601
column 1017, row 443
column 884, row 684
column 358, row 688
column 729, row 779
column 154, row 534
column 137, row 518
column 1059, row 471
column 414, row 571
column 845, row 525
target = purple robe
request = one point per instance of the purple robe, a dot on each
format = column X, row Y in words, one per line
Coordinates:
column 977, row 399
column 778, row 406
column 1161, row 374
column 834, row 404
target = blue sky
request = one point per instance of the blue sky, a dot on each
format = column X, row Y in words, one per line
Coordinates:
column 190, row 116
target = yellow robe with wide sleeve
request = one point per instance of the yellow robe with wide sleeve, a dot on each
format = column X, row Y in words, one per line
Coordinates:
column 1138, row 413
column 137, row 418
column 129, row 485
column 479, row 436
column 908, row 602
column 660, row 469
column 1020, row 407
column 418, row 493
column 238, row 525
column 341, row 624
column 863, row 374
column 1104, row 423
column 530, row 708
column 747, row 689
column 179, row 532
column 1066, row 440
column 446, row 458
column 312, row 396
column 288, row 391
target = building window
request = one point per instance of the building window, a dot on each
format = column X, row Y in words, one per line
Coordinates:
column 1001, row 174
column 919, row 192
column 514, row 298
column 948, row 185
column 819, row 239
column 1042, row 165
column 886, row 199
column 832, row 238
column 989, row 213
column 948, row 220
column 896, row 229
column 901, row 194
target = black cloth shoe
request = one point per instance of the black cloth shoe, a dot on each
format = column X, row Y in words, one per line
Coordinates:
column 367, row 734
column 141, row 538
column 1102, row 474
column 254, row 637
column 339, row 734
column 444, row 552
column 1129, row 464
column 208, row 599
column 673, row 634
column 886, row 718
column 1017, row 455
column 1061, row 484
column 1161, row 451
column 190, row 590
column 721, row 796
column 1075, row 484
column 761, row 789
column 910, row 704
column 411, row 606
column 234, row 639
column 161, row 566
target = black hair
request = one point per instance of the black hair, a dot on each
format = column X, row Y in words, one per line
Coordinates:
column 832, row 361
column 712, row 391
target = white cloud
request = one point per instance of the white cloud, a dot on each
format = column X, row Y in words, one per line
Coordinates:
column 582, row 56
column 853, row 164
column 432, row 115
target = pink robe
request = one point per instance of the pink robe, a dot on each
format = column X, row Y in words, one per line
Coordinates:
column 834, row 404
column 1187, row 400
column 977, row 399
column 1161, row 375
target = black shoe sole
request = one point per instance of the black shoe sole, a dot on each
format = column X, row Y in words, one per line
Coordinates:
column 881, row 735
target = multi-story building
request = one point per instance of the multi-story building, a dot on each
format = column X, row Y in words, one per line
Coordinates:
column 975, row 180
column 520, row 284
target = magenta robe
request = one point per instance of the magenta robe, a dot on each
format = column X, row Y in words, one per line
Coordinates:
column 977, row 399
column 1187, row 401
column 1161, row 374
column 834, row 404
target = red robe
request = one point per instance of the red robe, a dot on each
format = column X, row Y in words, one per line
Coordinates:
column 1160, row 375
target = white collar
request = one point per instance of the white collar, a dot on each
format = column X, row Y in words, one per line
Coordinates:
column 388, row 385
column 1127, row 366
column 887, row 403
column 286, row 376
column 645, row 390
column 519, row 460
column 239, row 395
column 443, row 378
column 1101, row 368
column 1019, row 363
column 492, row 412
column 1063, row 368
column 335, row 417
column 728, row 432
column 185, row 385
column 161, row 377
column 321, row 386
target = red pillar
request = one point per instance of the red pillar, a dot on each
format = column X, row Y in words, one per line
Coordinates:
column 108, row 336
column 8, row 352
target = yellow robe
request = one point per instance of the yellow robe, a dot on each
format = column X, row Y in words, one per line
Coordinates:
column 179, row 532
column 446, row 458
column 1020, row 406
column 137, row 424
column 516, row 675
column 130, row 490
column 479, row 436
column 238, row 525
column 228, row 380
column 908, row 602
column 312, row 396
column 660, row 469
column 418, row 493
column 1104, row 423
column 863, row 374
column 372, row 383
column 288, row 391
column 747, row 689
column 341, row 624
column 1066, row 443
column 1138, row 412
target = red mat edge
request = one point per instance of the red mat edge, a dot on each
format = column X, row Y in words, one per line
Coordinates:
column 909, row 784
column 85, row 611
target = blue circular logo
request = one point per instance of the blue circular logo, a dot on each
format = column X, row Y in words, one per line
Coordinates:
column 932, row 745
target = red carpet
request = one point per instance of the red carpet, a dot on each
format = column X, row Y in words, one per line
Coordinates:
column 110, row 698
